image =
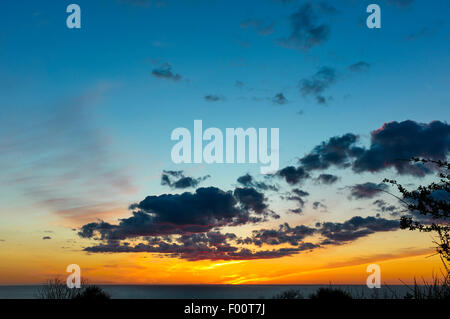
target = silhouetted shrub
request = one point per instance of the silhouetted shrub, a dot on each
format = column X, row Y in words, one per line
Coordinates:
column 92, row 293
column 330, row 294
column 289, row 294
column 58, row 289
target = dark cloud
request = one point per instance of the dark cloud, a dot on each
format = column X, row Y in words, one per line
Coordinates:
column 285, row 234
column 239, row 84
column 425, row 31
column 332, row 233
column 46, row 237
column 394, row 144
column 319, row 205
column 306, row 31
column 336, row 151
column 354, row 228
column 327, row 179
column 392, row 210
column 193, row 251
column 251, row 199
column 296, row 195
column 214, row 245
column 261, row 26
column 317, row 84
column 293, row 175
column 297, row 210
column 214, row 98
column 359, row 66
column 249, row 181
column 167, row 214
column 280, row 99
column 391, row 146
column 164, row 71
column 177, row 179
column 366, row 190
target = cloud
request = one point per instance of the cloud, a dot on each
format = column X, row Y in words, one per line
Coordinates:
column 280, row 99
column 306, row 31
column 366, row 190
column 318, row 205
column 359, row 66
column 354, row 228
column 194, row 251
column 249, row 181
column 394, row 144
column 214, row 245
column 336, row 151
column 169, row 214
column 332, row 233
column 251, row 199
column 214, row 98
column 391, row 146
column 327, row 179
column 296, row 195
column 164, row 71
column 262, row 27
column 293, row 175
column 46, row 237
column 177, row 179
column 393, row 210
column 317, row 84
column 239, row 84
column 284, row 234
column 59, row 159
column 425, row 31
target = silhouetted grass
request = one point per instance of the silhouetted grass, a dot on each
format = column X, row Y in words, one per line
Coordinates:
column 58, row 289
column 330, row 294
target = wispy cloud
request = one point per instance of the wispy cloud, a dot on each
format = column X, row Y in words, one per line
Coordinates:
column 60, row 158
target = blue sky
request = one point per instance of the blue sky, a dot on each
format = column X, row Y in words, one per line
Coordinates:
column 44, row 63
column 84, row 121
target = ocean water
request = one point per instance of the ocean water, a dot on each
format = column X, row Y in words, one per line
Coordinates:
column 213, row 291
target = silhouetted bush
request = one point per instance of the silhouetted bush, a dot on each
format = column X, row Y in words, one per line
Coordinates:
column 289, row 294
column 330, row 294
column 58, row 289
column 92, row 293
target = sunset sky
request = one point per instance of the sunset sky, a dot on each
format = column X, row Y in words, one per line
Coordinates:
column 85, row 151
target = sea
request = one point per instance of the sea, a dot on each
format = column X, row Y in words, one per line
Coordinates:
column 216, row 291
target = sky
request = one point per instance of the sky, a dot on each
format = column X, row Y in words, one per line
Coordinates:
column 87, row 115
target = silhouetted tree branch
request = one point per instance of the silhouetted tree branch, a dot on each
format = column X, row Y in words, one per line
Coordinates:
column 431, row 201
